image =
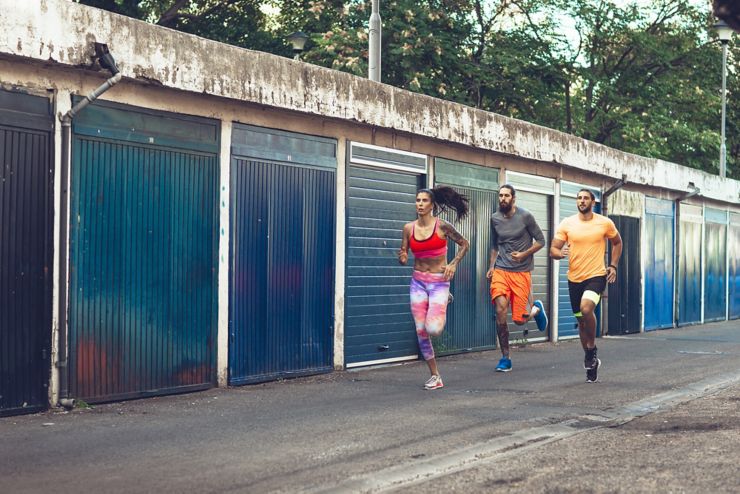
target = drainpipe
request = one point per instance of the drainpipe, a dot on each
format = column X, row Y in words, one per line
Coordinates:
column 693, row 190
column 605, row 211
column 106, row 61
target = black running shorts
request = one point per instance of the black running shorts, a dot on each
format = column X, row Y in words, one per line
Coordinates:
column 576, row 291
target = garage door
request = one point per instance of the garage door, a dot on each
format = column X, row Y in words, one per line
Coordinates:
column 381, row 194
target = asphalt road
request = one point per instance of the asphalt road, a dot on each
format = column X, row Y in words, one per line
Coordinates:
column 664, row 418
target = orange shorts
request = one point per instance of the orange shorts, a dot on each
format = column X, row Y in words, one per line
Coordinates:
column 516, row 287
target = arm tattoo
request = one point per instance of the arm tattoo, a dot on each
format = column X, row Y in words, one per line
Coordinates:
column 458, row 239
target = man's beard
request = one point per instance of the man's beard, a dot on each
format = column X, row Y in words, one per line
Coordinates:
column 586, row 210
column 504, row 207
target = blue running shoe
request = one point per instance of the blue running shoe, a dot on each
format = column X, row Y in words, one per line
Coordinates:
column 541, row 317
column 504, row 365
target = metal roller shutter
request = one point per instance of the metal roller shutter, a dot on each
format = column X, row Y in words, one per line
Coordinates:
column 25, row 251
column 282, row 254
column 471, row 318
column 659, row 221
column 381, row 191
column 143, row 253
column 689, row 265
column 715, row 242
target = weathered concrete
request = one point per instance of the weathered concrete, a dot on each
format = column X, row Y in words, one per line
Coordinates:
column 61, row 33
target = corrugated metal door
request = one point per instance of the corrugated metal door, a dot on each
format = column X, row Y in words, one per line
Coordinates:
column 734, row 266
column 689, row 264
column 381, row 190
column 535, row 194
column 26, row 167
column 282, row 254
column 470, row 319
column 625, row 294
column 659, row 222
column 715, row 241
column 143, row 253
column 567, row 323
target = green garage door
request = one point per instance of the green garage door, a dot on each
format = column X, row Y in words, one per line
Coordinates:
column 470, row 319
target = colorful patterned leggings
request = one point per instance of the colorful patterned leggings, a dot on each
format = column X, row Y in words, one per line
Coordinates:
column 429, row 298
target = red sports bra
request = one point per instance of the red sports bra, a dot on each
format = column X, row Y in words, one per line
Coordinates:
column 434, row 246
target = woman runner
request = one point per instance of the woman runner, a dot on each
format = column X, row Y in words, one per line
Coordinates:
column 430, row 283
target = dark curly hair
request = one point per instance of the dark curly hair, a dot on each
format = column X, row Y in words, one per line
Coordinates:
column 446, row 198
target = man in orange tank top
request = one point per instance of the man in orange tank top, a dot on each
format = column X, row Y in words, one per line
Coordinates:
column 585, row 234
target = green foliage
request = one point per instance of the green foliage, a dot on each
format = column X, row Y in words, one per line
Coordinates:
column 643, row 77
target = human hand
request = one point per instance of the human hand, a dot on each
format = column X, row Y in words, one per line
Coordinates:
column 611, row 274
column 565, row 251
column 518, row 256
column 449, row 271
column 403, row 257
column 489, row 273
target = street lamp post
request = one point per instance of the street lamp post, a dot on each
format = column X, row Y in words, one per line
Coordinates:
column 724, row 32
column 373, row 65
column 298, row 40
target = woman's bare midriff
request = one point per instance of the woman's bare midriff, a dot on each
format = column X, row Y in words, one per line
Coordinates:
column 431, row 264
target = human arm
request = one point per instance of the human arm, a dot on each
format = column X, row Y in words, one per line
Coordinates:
column 492, row 264
column 611, row 270
column 559, row 246
column 535, row 232
column 558, row 249
column 463, row 245
column 403, row 252
column 494, row 250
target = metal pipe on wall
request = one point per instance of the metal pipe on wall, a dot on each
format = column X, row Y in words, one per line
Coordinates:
column 106, row 61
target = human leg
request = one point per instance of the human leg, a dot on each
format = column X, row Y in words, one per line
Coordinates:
column 429, row 299
column 500, row 294
column 419, row 307
column 590, row 290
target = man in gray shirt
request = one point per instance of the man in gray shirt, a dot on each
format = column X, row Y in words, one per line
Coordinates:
column 515, row 237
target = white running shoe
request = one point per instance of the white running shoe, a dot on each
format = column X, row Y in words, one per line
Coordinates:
column 434, row 382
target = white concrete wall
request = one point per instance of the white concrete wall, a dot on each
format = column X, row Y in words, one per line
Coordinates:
column 62, row 32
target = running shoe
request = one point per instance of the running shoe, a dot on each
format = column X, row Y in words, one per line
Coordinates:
column 541, row 317
column 589, row 361
column 504, row 365
column 592, row 373
column 434, row 382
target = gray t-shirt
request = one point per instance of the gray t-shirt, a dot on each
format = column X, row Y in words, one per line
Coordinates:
column 514, row 234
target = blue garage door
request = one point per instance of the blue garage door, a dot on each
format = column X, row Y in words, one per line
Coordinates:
column 734, row 274
column 381, row 192
column 26, row 164
column 689, row 264
column 567, row 323
column 281, row 288
column 143, row 253
column 470, row 319
column 659, row 221
column 715, row 274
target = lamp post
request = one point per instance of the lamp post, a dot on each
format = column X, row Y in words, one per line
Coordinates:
column 298, row 40
column 724, row 32
column 373, row 65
